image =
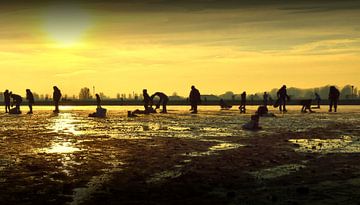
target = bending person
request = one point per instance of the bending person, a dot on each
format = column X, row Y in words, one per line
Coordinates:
column 17, row 100
column 164, row 99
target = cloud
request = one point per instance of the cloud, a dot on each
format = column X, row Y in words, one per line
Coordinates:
column 76, row 73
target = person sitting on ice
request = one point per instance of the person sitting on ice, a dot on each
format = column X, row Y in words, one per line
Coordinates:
column 263, row 111
column 141, row 112
column 100, row 112
column 306, row 105
column 17, row 100
column 224, row 106
column 253, row 124
column 164, row 99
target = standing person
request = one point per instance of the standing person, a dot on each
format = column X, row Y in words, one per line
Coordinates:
column 31, row 101
column 266, row 99
column 98, row 101
column 56, row 98
column 195, row 99
column 243, row 103
column 283, row 98
column 317, row 99
column 164, row 99
column 7, row 100
column 147, row 100
column 17, row 100
column 334, row 95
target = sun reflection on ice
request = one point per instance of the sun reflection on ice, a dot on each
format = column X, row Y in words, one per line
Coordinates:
column 65, row 123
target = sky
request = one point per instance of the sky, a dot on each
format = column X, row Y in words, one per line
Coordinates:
column 168, row 45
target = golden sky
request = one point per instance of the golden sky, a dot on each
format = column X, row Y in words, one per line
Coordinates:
column 217, row 46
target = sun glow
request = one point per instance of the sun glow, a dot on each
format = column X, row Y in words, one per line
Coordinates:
column 66, row 24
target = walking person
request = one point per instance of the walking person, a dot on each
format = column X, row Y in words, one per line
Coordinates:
column 30, row 99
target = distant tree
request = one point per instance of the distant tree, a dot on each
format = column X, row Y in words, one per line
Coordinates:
column 174, row 94
column 84, row 94
column 118, row 96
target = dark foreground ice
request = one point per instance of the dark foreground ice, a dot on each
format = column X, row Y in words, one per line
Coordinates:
column 179, row 158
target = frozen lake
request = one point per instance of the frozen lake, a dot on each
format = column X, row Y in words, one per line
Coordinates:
column 65, row 157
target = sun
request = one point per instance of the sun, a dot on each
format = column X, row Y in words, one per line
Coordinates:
column 66, row 24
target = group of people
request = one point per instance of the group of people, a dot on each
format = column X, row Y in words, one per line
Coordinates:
column 194, row 99
column 283, row 98
column 12, row 99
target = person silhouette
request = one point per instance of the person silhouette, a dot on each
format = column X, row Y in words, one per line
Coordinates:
column 195, row 99
column 7, row 100
column 334, row 95
column 318, row 100
column 31, row 101
column 242, row 107
column 164, row 99
column 56, row 98
column 224, row 105
column 98, row 100
column 266, row 99
column 282, row 98
column 17, row 100
column 306, row 105
column 147, row 100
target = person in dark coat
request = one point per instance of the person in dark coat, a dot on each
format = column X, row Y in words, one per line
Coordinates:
column 283, row 98
column 147, row 100
column 334, row 95
column 31, row 101
column 243, row 103
column 56, row 98
column 164, row 99
column 195, row 99
column 17, row 100
column 7, row 100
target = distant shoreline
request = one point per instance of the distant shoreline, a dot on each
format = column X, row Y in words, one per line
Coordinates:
column 175, row 103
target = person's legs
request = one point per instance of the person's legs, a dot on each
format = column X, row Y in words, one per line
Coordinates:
column 195, row 108
column 331, row 105
column 335, row 105
column 30, row 107
column 56, row 106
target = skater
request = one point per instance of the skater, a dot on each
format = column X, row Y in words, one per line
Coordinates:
column 334, row 95
column 7, row 100
column 243, row 103
column 164, row 99
column 31, row 101
column 56, row 98
column 195, row 99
